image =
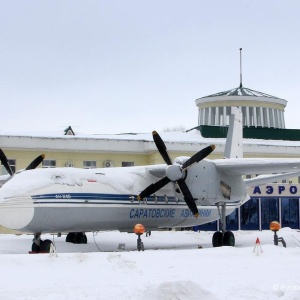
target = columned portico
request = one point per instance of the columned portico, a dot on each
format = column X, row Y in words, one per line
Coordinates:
column 259, row 109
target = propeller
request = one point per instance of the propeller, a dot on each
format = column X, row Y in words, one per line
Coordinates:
column 4, row 162
column 174, row 173
column 31, row 166
column 35, row 162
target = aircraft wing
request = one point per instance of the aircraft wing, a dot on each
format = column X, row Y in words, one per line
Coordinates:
column 250, row 166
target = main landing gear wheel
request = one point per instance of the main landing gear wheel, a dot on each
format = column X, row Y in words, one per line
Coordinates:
column 228, row 239
column 70, row 237
column 76, row 238
column 219, row 239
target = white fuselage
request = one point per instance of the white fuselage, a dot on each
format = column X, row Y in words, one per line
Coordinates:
column 75, row 200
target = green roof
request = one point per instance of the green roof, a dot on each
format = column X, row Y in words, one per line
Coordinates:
column 251, row 132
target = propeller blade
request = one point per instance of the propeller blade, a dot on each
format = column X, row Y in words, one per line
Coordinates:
column 152, row 188
column 5, row 163
column 198, row 156
column 36, row 162
column 188, row 198
column 161, row 147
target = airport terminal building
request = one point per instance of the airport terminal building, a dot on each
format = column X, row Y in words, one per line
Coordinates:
column 264, row 135
column 263, row 121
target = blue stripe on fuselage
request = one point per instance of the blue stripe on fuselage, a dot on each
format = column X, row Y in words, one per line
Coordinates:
column 94, row 196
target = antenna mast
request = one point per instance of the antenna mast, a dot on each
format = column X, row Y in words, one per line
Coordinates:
column 241, row 81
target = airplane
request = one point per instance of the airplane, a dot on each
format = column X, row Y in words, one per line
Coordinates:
column 187, row 192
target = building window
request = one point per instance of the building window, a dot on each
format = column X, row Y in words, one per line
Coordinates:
column 290, row 212
column 265, row 118
column 269, row 211
column 251, row 116
column 205, row 116
column 244, row 115
column 232, row 220
column 89, row 164
column 211, row 226
column 213, row 116
column 271, row 115
column 227, row 116
column 258, row 117
column 12, row 164
column 277, row 125
column 48, row 163
column 250, row 215
column 127, row 164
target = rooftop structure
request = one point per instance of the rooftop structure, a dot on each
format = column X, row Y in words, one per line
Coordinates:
column 259, row 109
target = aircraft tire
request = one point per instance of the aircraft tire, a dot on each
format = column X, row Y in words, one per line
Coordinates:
column 76, row 238
column 80, row 238
column 45, row 245
column 84, row 239
column 228, row 239
column 217, row 239
column 35, row 248
column 70, row 237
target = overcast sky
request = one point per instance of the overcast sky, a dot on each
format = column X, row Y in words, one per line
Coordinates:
column 134, row 66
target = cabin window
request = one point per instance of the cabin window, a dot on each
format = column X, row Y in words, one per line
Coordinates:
column 127, row 164
column 89, row 164
column 49, row 163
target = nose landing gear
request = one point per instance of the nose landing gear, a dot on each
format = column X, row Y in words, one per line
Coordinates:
column 39, row 245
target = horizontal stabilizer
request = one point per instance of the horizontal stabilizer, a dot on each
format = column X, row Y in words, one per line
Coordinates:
column 264, row 179
column 253, row 166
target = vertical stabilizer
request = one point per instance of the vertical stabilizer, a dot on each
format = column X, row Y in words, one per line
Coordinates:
column 234, row 140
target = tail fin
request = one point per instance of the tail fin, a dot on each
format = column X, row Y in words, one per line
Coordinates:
column 234, row 140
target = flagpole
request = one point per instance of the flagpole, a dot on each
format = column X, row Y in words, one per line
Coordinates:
column 241, row 81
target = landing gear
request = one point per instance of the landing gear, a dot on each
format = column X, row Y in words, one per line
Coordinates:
column 220, row 239
column 223, row 238
column 76, row 238
column 217, row 239
column 228, row 239
column 40, row 246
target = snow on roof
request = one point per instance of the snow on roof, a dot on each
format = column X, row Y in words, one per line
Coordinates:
column 182, row 137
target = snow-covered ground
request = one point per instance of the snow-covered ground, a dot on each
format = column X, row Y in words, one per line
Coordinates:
column 174, row 265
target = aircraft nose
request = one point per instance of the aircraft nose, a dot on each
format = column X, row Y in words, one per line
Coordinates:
column 16, row 212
